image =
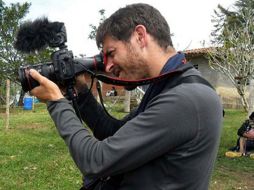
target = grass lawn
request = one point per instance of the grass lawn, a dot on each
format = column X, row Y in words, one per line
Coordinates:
column 33, row 156
column 236, row 173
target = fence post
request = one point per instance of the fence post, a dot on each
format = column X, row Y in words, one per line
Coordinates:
column 7, row 119
column 127, row 101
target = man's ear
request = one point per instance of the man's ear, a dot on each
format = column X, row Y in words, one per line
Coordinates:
column 141, row 35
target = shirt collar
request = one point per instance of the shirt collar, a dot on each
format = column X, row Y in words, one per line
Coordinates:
column 173, row 62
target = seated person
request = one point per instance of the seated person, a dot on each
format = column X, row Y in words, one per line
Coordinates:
column 245, row 142
column 246, row 130
column 112, row 92
column 246, row 135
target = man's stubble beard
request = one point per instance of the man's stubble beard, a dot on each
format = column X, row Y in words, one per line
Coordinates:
column 136, row 65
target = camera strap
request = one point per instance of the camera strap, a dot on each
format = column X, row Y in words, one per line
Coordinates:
column 120, row 82
column 72, row 95
column 110, row 80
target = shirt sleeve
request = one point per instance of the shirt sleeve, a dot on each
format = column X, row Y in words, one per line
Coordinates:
column 94, row 115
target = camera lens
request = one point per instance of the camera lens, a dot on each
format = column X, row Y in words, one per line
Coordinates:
column 27, row 82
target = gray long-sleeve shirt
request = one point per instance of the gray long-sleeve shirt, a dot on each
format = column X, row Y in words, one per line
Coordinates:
column 171, row 145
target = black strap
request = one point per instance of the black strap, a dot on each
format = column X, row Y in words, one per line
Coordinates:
column 170, row 82
column 195, row 79
column 120, row 82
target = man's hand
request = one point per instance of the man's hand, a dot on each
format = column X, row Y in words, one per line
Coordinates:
column 47, row 91
column 81, row 83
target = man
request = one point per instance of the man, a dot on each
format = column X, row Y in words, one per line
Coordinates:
column 170, row 141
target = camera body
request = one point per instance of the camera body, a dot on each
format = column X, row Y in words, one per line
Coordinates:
column 63, row 64
column 63, row 68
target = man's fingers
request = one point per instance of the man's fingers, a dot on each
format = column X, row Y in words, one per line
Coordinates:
column 36, row 75
column 34, row 91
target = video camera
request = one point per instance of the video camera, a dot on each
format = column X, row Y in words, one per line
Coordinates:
column 36, row 35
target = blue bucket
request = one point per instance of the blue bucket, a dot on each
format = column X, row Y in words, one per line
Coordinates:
column 28, row 103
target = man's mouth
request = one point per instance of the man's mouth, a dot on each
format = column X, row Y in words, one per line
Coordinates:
column 116, row 72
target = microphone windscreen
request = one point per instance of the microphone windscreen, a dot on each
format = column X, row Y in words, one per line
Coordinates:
column 36, row 35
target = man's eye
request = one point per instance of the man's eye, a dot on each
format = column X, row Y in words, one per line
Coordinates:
column 110, row 53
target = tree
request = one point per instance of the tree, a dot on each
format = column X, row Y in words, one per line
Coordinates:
column 10, row 59
column 10, row 18
column 92, row 34
column 234, row 52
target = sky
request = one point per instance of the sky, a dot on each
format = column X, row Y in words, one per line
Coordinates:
column 189, row 20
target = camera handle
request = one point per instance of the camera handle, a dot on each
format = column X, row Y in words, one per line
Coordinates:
column 72, row 95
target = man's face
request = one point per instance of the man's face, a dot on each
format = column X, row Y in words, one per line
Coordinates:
column 124, row 59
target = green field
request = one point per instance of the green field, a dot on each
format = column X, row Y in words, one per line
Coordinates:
column 33, row 156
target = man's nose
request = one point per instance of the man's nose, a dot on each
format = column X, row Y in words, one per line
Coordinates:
column 109, row 66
